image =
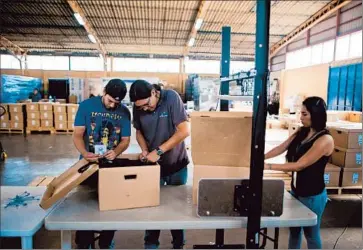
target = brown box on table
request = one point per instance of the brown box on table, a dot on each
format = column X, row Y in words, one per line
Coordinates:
column 60, row 108
column 46, row 115
column 119, row 187
column 60, row 117
column 16, row 108
column 32, row 107
column 46, row 123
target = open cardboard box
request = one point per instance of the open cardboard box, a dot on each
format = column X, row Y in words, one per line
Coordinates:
column 221, row 145
column 118, row 187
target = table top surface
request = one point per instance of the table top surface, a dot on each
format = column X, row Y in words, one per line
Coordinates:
column 80, row 211
column 21, row 214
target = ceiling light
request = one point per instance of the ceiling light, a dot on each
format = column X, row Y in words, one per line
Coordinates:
column 79, row 18
column 191, row 42
column 92, row 38
column 198, row 23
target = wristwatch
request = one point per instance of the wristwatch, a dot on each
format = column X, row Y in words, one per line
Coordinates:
column 159, row 152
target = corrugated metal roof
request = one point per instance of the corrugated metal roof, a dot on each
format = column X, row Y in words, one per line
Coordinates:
column 145, row 23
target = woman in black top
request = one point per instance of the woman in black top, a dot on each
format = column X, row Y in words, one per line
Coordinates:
column 308, row 152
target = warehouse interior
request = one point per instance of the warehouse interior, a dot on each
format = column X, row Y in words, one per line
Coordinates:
column 70, row 49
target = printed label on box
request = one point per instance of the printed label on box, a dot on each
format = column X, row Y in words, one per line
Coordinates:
column 33, row 115
column 16, row 118
column 15, row 124
column 73, row 110
column 46, row 115
column 358, row 158
column 326, row 178
column 355, row 178
column 61, row 117
column 15, row 109
column 46, row 123
column 33, row 122
column 60, row 125
column 59, row 109
column 3, row 125
column 31, row 107
column 360, row 139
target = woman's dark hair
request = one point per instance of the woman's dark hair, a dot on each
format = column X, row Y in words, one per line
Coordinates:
column 141, row 89
column 317, row 109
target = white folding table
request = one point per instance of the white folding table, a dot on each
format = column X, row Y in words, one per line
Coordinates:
column 22, row 216
column 79, row 211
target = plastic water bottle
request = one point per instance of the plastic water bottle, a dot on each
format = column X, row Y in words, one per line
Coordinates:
column 50, row 98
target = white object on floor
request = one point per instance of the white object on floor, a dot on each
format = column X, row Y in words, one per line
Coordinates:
column 80, row 211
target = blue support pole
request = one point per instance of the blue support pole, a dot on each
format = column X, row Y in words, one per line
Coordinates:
column 225, row 63
column 259, row 124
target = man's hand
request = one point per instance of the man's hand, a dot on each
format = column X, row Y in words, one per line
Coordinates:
column 143, row 155
column 91, row 156
column 153, row 156
column 110, row 155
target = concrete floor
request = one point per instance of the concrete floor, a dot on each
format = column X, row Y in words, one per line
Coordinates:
column 50, row 155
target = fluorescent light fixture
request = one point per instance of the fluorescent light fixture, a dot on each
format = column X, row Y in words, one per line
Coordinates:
column 198, row 23
column 79, row 18
column 191, row 42
column 92, row 38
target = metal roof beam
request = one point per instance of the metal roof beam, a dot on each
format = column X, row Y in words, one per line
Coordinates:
column 329, row 9
column 202, row 9
column 235, row 33
column 77, row 9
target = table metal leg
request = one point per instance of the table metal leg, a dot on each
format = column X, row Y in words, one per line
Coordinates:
column 66, row 238
column 27, row 242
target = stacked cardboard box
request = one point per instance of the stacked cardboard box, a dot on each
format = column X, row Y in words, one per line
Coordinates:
column 71, row 115
column 221, row 145
column 33, row 116
column 355, row 116
column 5, row 120
column 348, row 152
column 332, row 175
column 60, row 116
column 16, row 116
column 46, row 115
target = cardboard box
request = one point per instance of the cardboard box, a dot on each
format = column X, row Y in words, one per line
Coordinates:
column 4, row 118
column 46, row 115
column 221, row 138
column 347, row 158
column 45, row 106
column 60, row 108
column 355, row 117
column 70, row 125
column 119, row 188
column 72, row 108
column 347, row 136
column 46, row 123
column 4, row 125
column 352, row 177
column 33, row 123
column 17, row 117
column 71, row 117
column 33, row 115
column 334, row 115
column 16, row 108
column 16, row 125
column 5, row 106
column 32, row 107
column 61, row 117
column 72, row 99
column 332, row 175
column 60, row 125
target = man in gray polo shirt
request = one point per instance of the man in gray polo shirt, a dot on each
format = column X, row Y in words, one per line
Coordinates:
column 161, row 124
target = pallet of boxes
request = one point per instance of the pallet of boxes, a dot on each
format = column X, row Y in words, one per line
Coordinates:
column 346, row 159
column 71, row 116
column 39, row 118
column 60, row 118
column 16, row 118
column 221, row 147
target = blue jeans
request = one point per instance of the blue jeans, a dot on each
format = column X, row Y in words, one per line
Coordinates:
column 316, row 204
column 152, row 236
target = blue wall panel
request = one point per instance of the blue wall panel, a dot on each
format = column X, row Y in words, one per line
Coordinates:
column 358, row 88
column 333, row 88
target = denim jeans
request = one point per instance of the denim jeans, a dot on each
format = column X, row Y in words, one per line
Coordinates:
column 85, row 239
column 152, row 236
column 316, row 204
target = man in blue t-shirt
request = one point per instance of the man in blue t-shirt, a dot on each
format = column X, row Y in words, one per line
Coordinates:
column 102, row 129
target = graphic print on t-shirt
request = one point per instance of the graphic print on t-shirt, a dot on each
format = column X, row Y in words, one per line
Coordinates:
column 105, row 130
